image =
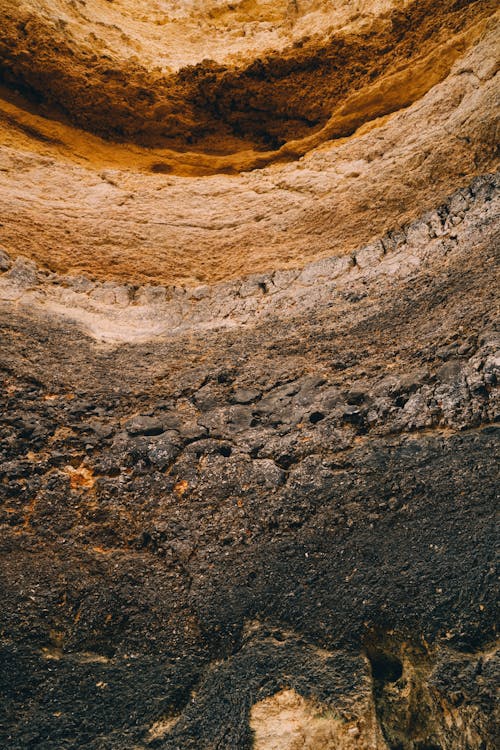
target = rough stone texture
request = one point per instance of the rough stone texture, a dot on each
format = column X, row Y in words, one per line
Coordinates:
column 180, row 539
column 249, row 424
column 214, row 101
column 78, row 204
column 112, row 312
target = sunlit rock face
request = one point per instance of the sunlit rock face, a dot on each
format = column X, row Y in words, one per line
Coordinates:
column 249, row 362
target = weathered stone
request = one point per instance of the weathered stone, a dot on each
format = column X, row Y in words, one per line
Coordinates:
column 248, row 453
column 330, row 268
column 23, row 272
column 245, row 395
column 192, row 431
column 5, row 261
column 143, row 425
column 369, row 255
column 162, row 450
column 450, row 372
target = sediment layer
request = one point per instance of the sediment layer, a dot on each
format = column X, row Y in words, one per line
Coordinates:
column 249, row 363
column 74, row 207
column 273, row 99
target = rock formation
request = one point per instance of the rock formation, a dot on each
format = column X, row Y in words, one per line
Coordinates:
column 249, row 364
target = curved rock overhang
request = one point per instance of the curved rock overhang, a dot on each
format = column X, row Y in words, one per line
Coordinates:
column 229, row 116
column 132, row 221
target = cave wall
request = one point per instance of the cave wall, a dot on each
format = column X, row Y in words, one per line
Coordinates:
column 249, row 362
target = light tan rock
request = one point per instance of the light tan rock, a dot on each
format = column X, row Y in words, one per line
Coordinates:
column 287, row 721
column 79, row 204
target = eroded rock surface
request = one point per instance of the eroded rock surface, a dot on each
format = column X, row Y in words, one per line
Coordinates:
column 76, row 203
column 248, row 430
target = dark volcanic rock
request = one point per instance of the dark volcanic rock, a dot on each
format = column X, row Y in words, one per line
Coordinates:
column 143, row 425
column 184, row 556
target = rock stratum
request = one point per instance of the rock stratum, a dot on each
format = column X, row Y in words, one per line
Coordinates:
column 249, row 359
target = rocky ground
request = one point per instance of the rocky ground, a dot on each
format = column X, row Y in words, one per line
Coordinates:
column 249, row 423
